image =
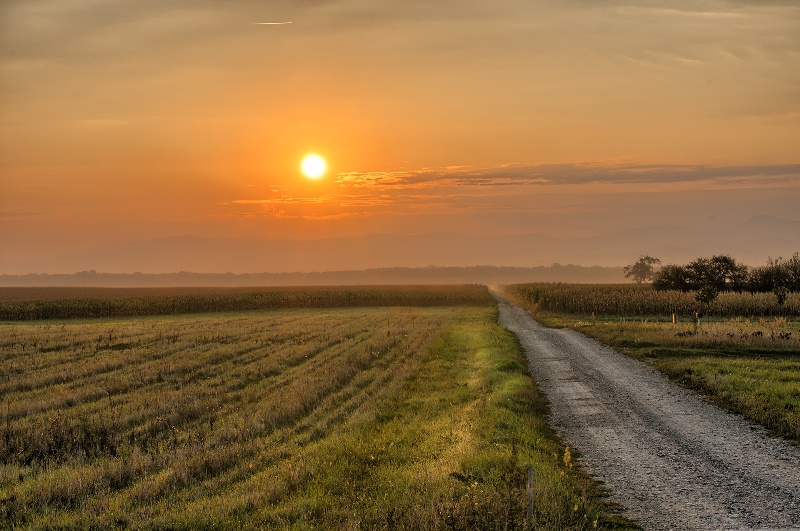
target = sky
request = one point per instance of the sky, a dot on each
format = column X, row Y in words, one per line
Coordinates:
column 141, row 119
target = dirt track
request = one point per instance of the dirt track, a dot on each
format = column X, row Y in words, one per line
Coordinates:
column 672, row 460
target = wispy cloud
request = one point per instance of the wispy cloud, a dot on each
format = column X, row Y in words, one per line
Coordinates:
column 344, row 206
column 509, row 189
column 330, row 199
column 574, row 174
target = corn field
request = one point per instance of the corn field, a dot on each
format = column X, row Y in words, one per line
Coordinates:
column 643, row 300
column 25, row 304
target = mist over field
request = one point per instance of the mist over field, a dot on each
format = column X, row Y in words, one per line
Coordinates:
column 751, row 242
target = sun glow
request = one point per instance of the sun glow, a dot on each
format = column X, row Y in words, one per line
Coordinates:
column 313, row 166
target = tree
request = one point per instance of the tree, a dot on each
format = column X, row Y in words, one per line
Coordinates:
column 731, row 275
column 791, row 269
column 706, row 295
column 671, row 276
column 778, row 273
column 643, row 270
column 721, row 272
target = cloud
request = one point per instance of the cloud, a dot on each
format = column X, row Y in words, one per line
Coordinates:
column 575, row 174
column 341, row 200
column 325, row 207
column 347, row 206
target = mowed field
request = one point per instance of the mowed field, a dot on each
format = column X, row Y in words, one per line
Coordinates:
column 406, row 417
column 744, row 354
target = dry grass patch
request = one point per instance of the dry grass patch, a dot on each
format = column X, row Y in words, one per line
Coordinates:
column 345, row 418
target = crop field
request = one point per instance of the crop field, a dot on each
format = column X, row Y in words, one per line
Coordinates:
column 747, row 363
column 640, row 300
column 339, row 418
column 17, row 304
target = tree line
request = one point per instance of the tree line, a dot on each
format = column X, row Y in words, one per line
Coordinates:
column 719, row 273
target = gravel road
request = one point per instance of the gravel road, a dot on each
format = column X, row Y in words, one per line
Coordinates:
column 672, row 460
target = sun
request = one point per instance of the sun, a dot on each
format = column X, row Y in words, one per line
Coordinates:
column 313, row 166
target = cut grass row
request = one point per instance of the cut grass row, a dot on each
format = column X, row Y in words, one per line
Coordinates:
column 346, row 418
column 748, row 365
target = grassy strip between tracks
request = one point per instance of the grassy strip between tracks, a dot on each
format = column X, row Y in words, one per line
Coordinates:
column 415, row 418
column 750, row 366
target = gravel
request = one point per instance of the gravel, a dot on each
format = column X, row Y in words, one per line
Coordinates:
column 670, row 459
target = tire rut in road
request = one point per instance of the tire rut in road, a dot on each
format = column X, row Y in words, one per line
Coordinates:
column 672, row 460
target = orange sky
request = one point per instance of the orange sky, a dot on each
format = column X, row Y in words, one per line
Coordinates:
column 129, row 120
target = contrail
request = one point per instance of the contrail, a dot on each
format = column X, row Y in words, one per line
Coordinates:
column 271, row 23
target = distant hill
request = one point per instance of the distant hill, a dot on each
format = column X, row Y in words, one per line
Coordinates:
column 382, row 276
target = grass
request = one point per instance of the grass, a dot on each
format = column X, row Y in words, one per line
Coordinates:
column 748, row 365
column 338, row 418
